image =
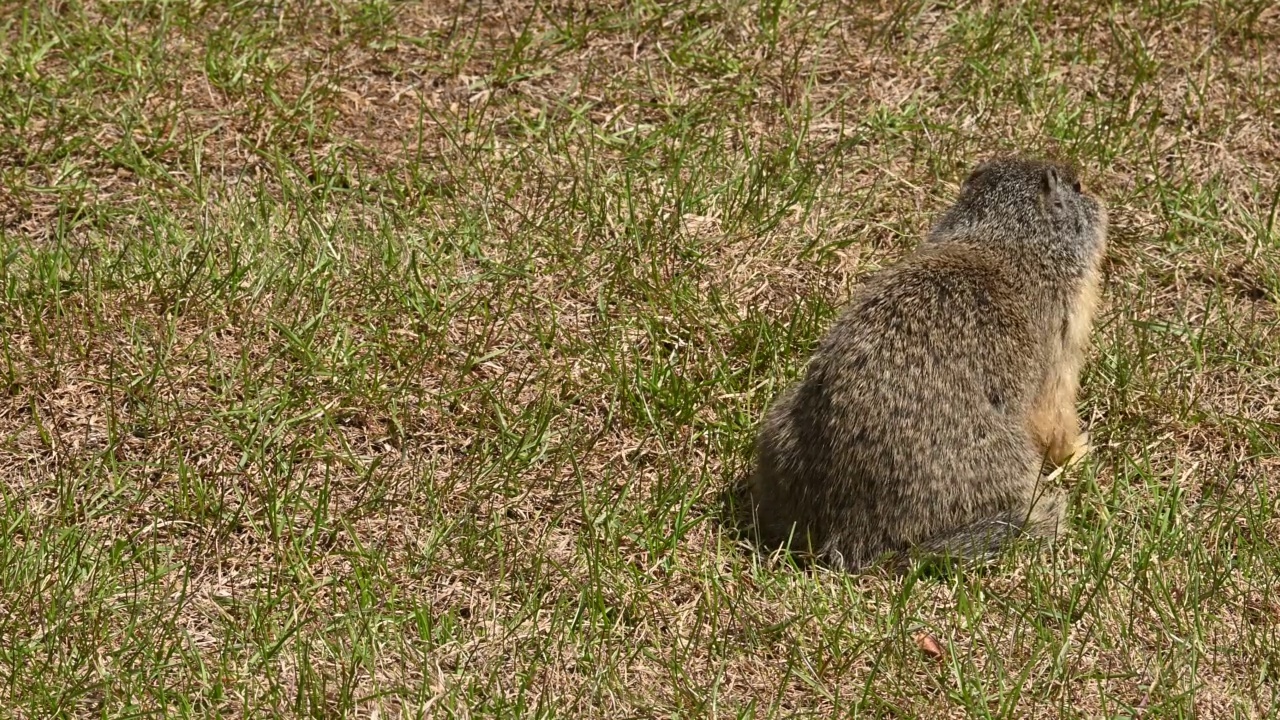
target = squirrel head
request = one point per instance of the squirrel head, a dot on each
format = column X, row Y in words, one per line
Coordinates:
column 1028, row 202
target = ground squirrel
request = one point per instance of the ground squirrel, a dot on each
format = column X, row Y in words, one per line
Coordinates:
column 923, row 419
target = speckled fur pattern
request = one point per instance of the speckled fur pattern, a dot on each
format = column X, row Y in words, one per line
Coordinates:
column 923, row 418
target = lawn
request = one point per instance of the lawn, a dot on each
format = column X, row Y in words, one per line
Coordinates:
column 396, row 359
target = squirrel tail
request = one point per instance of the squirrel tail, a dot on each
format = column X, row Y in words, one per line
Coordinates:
column 986, row 537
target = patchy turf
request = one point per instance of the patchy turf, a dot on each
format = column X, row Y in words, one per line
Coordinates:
column 394, row 359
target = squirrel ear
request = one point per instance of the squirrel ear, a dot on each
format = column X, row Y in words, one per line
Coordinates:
column 1053, row 186
column 974, row 175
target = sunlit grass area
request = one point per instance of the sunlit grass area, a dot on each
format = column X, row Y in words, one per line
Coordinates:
column 396, row 359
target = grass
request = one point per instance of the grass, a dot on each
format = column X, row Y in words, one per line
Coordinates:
column 392, row 359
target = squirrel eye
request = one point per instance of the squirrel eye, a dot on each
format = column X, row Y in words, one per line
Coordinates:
column 1076, row 186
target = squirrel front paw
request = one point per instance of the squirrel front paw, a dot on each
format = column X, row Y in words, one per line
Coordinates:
column 1067, row 451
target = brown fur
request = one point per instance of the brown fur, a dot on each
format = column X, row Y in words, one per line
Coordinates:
column 923, row 417
column 1054, row 423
